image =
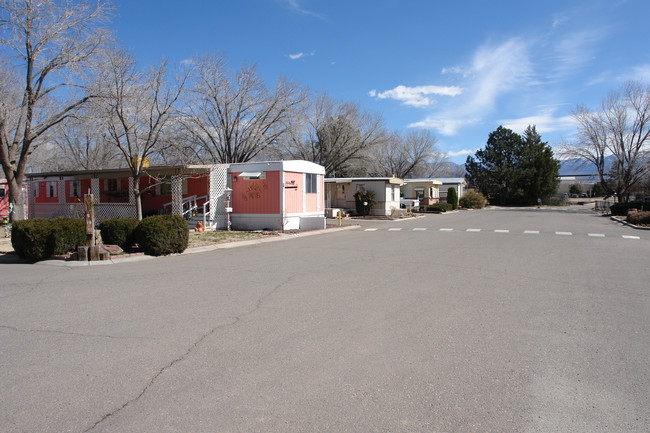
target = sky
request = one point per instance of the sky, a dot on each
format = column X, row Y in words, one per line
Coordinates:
column 458, row 68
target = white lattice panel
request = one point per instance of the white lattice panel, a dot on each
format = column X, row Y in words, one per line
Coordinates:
column 95, row 189
column 218, row 185
column 177, row 195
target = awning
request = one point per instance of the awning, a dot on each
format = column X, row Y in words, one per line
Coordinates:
column 250, row 174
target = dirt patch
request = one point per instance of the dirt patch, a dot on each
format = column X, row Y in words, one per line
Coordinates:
column 5, row 244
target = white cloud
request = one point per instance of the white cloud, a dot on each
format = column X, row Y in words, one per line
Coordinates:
column 297, row 7
column 464, row 152
column 574, row 51
column 300, row 55
column 639, row 73
column 544, row 123
column 416, row 96
column 187, row 62
column 445, row 126
column 495, row 71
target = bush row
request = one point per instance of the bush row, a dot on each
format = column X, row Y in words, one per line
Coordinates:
column 620, row 209
column 40, row 238
column 437, row 207
column 156, row 235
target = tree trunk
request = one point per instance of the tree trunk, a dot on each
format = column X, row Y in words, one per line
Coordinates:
column 137, row 195
column 17, row 198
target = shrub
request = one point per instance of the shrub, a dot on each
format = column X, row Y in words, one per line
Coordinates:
column 361, row 197
column 32, row 239
column 620, row 209
column 439, row 207
column 452, row 197
column 68, row 233
column 119, row 231
column 640, row 218
column 38, row 239
column 473, row 200
column 162, row 234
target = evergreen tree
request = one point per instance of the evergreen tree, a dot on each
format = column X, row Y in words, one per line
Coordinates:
column 452, row 197
column 512, row 169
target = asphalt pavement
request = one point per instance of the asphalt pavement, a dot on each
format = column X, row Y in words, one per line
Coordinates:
column 499, row 320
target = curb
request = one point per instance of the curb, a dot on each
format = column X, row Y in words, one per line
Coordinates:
column 613, row 218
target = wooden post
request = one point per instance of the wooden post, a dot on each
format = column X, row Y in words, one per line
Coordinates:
column 89, row 212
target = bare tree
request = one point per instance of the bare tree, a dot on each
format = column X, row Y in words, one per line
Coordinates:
column 621, row 129
column 339, row 136
column 137, row 106
column 409, row 155
column 233, row 116
column 81, row 143
column 51, row 43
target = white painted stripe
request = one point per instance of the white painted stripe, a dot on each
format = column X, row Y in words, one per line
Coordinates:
column 394, row 229
column 630, row 237
column 473, row 230
column 501, row 231
column 531, row 232
column 370, row 230
column 596, row 235
column 564, row 233
column 446, row 230
column 419, row 229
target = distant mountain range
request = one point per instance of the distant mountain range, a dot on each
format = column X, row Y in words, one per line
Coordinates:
column 579, row 166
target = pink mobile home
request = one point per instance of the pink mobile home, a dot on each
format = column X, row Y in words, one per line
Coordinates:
column 279, row 195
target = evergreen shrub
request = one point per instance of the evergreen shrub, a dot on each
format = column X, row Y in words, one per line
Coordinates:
column 162, row 234
column 620, row 209
column 452, row 197
column 39, row 238
column 119, row 231
column 361, row 197
column 439, row 207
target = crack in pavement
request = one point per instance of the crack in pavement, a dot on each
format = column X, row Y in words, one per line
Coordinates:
column 76, row 334
column 152, row 381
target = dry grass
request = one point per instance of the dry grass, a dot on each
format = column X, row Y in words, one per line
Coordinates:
column 216, row 237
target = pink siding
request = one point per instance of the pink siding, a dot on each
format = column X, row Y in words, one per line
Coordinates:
column 293, row 196
column 256, row 196
column 311, row 200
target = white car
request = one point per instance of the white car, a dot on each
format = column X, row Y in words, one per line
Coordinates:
column 406, row 202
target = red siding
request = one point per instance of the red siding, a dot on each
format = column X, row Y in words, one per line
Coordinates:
column 293, row 196
column 256, row 196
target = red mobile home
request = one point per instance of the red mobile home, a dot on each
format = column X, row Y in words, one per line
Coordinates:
column 280, row 195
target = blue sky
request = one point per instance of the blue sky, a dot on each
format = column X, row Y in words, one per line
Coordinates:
column 458, row 68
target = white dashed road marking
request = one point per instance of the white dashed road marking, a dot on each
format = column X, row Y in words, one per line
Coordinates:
column 630, row 237
column 501, row 231
column 446, row 230
column 419, row 229
column 370, row 230
column 531, row 232
column 564, row 233
column 394, row 229
column 473, row 230
column 596, row 235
